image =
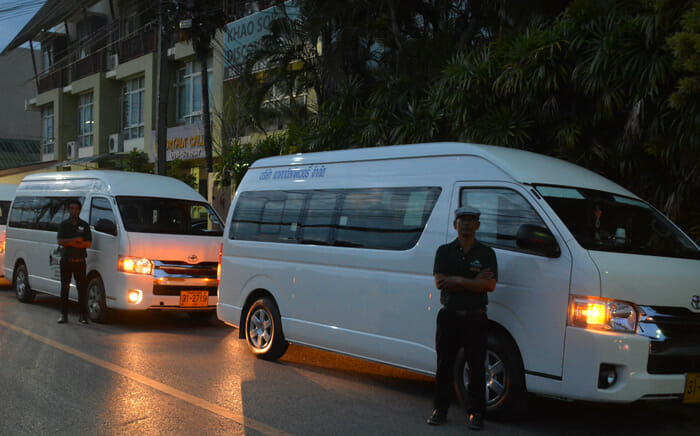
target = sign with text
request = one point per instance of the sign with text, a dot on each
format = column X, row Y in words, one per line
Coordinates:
column 185, row 142
column 244, row 33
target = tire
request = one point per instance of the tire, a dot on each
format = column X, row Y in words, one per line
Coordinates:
column 263, row 330
column 20, row 283
column 506, row 395
column 96, row 301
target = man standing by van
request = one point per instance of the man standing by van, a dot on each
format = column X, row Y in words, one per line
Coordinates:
column 465, row 271
column 74, row 237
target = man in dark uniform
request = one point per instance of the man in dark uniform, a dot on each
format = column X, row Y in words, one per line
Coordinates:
column 465, row 271
column 74, row 237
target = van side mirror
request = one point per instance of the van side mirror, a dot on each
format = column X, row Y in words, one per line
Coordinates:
column 538, row 239
column 106, row 226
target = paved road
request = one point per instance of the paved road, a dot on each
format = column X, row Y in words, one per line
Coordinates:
column 163, row 374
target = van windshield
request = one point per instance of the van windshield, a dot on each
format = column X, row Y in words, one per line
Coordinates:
column 609, row 222
column 4, row 211
column 167, row 215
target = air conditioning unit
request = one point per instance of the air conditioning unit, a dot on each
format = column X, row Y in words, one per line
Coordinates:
column 72, row 149
column 112, row 62
column 116, row 143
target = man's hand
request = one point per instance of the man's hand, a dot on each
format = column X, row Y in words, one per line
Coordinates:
column 486, row 274
column 448, row 283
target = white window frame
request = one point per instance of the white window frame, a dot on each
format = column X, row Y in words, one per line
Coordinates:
column 188, row 87
column 47, row 129
column 133, row 102
column 86, row 120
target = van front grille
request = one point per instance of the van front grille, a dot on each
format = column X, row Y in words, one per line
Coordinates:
column 675, row 340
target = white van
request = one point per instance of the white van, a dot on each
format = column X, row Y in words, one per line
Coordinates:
column 335, row 250
column 7, row 191
column 155, row 241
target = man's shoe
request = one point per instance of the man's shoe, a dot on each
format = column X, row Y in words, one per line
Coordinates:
column 476, row 421
column 63, row 319
column 437, row 418
column 82, row 320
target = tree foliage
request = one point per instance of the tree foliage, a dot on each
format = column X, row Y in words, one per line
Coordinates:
column 611, row 86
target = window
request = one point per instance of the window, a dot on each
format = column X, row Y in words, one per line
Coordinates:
column 503, row 211
column 40, row 213
column 133, row 108
column 101, row 211
column 166, row 215
column 47, row 129
column 47, row 50
column 607, row 222
column 189, row 94
column 377, row 218
column 85, row 120
column 4, row 211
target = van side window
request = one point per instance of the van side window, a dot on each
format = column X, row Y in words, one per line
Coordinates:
column 376, row 218
column 39, row 213
column 101, row 210
column 503, row 211
column 4, row 212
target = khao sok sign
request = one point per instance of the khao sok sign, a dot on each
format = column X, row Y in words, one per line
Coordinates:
column 244, row 33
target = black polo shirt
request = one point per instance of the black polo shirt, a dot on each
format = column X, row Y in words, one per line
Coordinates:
column 450, row 260
column 67, row 230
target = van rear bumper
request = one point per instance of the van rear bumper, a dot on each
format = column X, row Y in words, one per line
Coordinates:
column 585, row 352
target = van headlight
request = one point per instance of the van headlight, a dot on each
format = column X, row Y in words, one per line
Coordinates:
column 136, row 265
column 602, row 314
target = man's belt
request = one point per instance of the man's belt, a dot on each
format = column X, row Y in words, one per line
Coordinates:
column 468, row 312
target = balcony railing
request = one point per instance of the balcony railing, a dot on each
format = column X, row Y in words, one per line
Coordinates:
column 138, row 45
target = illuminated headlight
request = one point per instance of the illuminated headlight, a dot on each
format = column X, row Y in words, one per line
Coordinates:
column 136, row 265
column 2, row 246
column 602, row 314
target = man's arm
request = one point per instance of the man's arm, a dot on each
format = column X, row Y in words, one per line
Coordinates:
column 484, row 282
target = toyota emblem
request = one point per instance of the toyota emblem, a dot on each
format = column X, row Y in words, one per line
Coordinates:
column 192, row 258
column 695, row 302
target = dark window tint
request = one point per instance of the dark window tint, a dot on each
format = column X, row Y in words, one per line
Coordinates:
column 41, row 213
column 167, row 215
column 503, row 211
column 608, row 222
column 381, row 218
column 101, row 212
column 4, row 211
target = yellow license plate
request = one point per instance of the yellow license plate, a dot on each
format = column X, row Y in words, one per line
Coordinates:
column 692, row 388
column 194, row 298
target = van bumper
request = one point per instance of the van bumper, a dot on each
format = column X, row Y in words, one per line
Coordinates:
column 162, row 297
column 585, row 352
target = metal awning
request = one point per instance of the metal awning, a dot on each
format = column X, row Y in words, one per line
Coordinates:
column 19, row 152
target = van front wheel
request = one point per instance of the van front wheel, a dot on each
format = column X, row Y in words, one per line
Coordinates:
column 506, row 396
column 263, row 330
column 24, row 293
column 97, row 306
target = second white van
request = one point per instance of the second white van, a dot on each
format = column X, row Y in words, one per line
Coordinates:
column 155, row 241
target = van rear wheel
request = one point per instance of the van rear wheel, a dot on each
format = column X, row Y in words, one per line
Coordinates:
column 96, row 300
column 20, row 283
column 263, row 330
column 506, row 395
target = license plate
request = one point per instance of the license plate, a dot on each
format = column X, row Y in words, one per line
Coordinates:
column 194, row 298
column 692, row 388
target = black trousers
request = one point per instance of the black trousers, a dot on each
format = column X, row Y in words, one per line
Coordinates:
column 457, row 330
column 76, row 269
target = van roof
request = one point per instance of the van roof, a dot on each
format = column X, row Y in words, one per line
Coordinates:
column 121, row 183
column 523, row 166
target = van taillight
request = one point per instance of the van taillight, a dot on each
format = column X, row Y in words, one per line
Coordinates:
column 218, row 267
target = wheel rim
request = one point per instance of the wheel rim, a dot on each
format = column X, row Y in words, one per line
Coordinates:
column 496, row 378
column 94, row 301
column 21, row 283
column 260, row 329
